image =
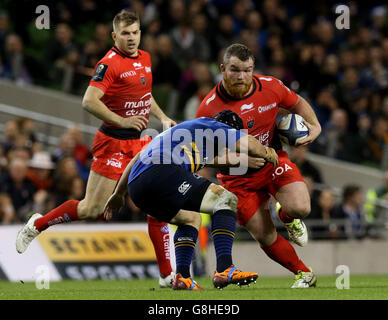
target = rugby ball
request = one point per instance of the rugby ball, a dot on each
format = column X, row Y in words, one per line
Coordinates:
column 291, row 128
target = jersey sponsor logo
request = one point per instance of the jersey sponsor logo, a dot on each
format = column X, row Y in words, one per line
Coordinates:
column 127, row 74
column 144, row 101
column 210, row 99
column 137, row 65
column 100, row 72
column 263, row 138
column 184, row 187
column 266, row 108
column 280, row 170
column 114, row 163
column 245, row 107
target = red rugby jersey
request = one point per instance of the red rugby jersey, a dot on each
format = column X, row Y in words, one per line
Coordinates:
column 258, row 110
column 126, row 82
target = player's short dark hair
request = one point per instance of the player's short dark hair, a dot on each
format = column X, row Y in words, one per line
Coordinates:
column 128, row 17
column 238, row 50
column 230, row 118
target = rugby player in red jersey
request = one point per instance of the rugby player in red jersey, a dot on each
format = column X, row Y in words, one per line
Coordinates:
column 120, row 95
column 257, row 99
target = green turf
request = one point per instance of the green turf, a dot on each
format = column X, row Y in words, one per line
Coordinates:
column 361, row 288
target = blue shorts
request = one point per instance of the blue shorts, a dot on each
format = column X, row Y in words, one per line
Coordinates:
column 164, row 189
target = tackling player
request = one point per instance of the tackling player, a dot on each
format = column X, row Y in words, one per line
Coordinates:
column 120, row 95
column 173, row 157
column 256, row 99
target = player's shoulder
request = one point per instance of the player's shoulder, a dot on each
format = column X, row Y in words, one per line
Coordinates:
column 143, row 54
column 111, row 58
column 269, row 83
column 207, row 105
column 210, row 97
column 266, row 81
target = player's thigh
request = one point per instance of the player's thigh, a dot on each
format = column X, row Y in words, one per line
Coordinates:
column 294, row 199
column 186, row 217
column 98, row 191
column 261, row 226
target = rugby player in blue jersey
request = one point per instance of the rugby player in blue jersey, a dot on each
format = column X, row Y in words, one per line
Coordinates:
column 163, row 176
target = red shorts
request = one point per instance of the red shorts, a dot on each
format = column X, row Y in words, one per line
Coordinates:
column 254, row 189
column 111, row 156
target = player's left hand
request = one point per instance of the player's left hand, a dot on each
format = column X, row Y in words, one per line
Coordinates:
column 114, row 203
column 314, row 131
column 255, row 163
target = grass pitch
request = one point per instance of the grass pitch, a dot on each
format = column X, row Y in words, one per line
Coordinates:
column 267, row 288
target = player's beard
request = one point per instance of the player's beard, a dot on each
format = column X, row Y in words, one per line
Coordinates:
column 237, row 91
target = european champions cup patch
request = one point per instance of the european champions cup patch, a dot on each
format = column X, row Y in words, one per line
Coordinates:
column 100, row 72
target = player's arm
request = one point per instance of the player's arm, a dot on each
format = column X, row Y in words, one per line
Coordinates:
column 249, row 145
column 117, row 199
column 159, row 114
column 303, row 108
column 233, row 159
column 93, row 104
column 249, row 151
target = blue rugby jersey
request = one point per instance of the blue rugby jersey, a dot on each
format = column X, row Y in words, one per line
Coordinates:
column 191, row 144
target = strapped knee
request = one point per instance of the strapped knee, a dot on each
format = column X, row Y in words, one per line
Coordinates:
column 218, row 198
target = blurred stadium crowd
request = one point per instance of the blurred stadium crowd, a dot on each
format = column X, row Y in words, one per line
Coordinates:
column 342, row 73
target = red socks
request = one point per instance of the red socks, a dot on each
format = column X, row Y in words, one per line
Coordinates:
column 160, row 237
column 66, row 212
column 284, row 217
column 284, row 253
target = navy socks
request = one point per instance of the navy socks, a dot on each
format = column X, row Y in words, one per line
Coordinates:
column 223, row 232
column 185, row 239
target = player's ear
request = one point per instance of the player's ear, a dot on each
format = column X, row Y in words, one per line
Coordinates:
column 222, row 67
column 114, row 35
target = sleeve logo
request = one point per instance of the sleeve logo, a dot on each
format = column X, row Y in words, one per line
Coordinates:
column 100, row 72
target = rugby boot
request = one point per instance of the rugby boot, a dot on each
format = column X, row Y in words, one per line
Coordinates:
column 234, row 276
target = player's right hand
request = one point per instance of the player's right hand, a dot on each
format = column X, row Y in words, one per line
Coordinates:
column 271, row 156
column 134, row 122
column 114, row 203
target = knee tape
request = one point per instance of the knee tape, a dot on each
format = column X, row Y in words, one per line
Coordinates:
column 218, row 198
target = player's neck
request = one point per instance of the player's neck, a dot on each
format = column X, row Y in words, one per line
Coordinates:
column 125, row 53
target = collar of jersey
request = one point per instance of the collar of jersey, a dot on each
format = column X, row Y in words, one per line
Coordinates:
column 117, row 50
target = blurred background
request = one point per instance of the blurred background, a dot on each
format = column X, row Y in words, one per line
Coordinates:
column 45, row 136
